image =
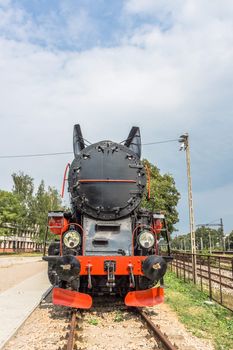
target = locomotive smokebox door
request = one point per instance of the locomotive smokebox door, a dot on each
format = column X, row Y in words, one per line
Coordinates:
column 107, row 180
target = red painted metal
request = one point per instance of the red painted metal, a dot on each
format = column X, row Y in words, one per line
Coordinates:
column 64, row 180
column 122, row 264
column 147, row 297
column 157, row 227
column 58, row 225
column 71, row 298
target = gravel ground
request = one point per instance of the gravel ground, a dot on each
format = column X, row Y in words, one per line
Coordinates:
column 106, row 328
column 169, row 324
column 110, row 330
column 44, row 329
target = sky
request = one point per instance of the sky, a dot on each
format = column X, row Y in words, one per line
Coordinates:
column 165, row 66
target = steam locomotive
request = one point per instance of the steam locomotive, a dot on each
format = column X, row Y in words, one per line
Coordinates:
column 107, row 244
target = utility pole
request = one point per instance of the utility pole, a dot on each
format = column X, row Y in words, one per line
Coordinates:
column 184, row 140
column 210, row 243
column 201, row 244
column 222, row 236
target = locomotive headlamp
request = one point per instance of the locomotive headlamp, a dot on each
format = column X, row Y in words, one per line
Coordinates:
column 146, row 239
column 71, row 239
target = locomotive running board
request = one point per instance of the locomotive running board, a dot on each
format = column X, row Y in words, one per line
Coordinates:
column 147, row 297
column 71, row 298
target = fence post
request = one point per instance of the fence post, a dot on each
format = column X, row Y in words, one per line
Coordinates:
column 184, row 267
column 232, row 267
column 201, row 273
column 220, row 279
column 209, row 275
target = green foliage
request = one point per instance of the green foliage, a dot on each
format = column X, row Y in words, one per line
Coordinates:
column 11, row 210
column 23, row 208
column 205, row 237
column 231, row 238
column 23, row 190
column 23, row 186
column 204, row 320
column 118, row 317
column 45, row 200
column 164, row 195
column 93, row 321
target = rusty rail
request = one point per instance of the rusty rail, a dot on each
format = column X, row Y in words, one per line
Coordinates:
column 73, row 325
column 161, row 337
column 214, row 275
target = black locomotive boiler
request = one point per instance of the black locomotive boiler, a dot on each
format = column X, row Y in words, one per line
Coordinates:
column 107, row 244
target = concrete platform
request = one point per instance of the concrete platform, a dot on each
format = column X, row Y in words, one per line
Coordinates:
column 18, row 302
column 9, row 261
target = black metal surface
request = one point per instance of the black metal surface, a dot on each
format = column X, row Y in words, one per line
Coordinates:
column 66, row 267
column 106, row 181
column 154, row 267
column 133, row 141
column 78, row 142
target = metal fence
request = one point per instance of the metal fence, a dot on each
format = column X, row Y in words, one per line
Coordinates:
column 214, row 275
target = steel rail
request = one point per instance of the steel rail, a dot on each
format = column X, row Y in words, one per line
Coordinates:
column 71, row 337
column 163, row 339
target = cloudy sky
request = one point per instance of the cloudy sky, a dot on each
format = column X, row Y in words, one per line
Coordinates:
column 163, row 65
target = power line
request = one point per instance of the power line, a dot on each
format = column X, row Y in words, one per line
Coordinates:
column 63, row 153
column 155, row 143
column 35, row 155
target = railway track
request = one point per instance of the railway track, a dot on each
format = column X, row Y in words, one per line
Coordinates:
column 161, row 338
column 73, row 327
column 108, row 325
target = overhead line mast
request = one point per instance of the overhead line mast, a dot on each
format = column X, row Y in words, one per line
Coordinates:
column 184, row 140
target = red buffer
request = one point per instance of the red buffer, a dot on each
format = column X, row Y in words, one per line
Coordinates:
column 147, row 297
column 71, row 298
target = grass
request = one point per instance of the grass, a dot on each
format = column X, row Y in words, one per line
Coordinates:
column 23, row 254
column 209, row 321
column 118, row 317
column 93, row 321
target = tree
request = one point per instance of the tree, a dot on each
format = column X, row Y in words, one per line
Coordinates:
column 45, row 201
column 23, row 188
column 207, row 237
column 164, row 195
column 181, row 242
column 230, row 241
column 10, row 209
